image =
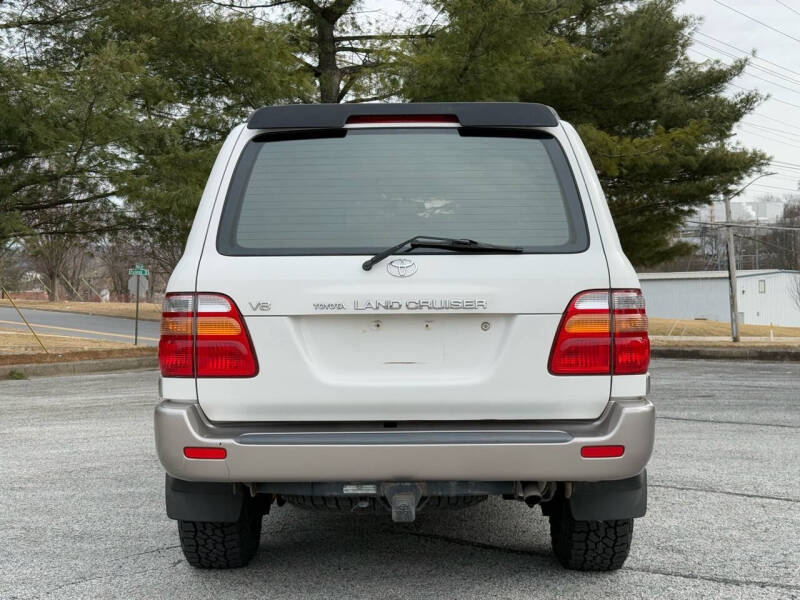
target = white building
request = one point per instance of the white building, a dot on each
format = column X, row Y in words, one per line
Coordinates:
column 765, row 296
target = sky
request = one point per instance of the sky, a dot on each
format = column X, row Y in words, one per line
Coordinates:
column 722, row 33
column 774, row 126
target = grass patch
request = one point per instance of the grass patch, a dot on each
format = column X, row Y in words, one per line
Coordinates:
column 15, row 374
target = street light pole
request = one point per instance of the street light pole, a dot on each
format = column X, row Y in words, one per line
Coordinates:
column 732, row 285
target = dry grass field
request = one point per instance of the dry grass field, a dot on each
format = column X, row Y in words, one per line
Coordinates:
column 22, row 342
column 688, row 327
column 147, row 311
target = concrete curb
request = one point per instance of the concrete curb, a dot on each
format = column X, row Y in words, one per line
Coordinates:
column 726, row 353
column 81, row 366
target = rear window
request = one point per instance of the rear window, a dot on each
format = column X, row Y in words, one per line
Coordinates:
column 359, row 191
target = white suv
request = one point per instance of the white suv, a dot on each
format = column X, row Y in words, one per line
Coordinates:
column 404, row 307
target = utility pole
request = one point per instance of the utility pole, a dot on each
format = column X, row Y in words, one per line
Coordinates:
column 732, row 285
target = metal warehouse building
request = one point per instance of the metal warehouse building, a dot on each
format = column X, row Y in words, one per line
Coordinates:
column 764, row 296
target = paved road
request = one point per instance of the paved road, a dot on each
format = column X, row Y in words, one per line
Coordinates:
column 115, row 329
column 81, row 508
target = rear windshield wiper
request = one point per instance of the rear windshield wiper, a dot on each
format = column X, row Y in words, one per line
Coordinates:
column 427, row 241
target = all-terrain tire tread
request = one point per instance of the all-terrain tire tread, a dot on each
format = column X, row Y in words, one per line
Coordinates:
column 212, row 545
column 590, row 545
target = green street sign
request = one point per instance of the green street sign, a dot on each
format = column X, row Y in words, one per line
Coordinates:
column 138, row 271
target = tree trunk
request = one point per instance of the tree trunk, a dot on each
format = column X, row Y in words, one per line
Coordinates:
column 52, row 282
column 330, row 78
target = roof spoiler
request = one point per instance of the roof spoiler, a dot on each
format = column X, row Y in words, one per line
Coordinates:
column 469, row 114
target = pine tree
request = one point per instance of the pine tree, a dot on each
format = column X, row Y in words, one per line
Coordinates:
column 657, row 125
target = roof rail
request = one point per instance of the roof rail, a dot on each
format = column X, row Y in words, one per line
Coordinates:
column 469, row 114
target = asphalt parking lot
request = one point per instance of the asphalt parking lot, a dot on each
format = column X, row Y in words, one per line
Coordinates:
column 82, row 515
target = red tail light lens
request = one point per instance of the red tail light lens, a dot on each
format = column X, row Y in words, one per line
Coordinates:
column 585, row 343
column 223, row 345
column 204, row 335
column 631, row 342
column 176, row 345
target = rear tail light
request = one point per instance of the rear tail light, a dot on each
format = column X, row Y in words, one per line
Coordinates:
column 176, row 346
column 602, row 332
column 204, row 335
column 631, row 343
column 378, row 119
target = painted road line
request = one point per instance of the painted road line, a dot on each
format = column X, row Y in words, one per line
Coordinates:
column 122, row 335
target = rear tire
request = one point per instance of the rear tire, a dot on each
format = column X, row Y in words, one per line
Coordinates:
column 589, row 545
column 215, row 545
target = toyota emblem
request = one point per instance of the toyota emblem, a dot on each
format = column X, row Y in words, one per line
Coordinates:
column 401, row 267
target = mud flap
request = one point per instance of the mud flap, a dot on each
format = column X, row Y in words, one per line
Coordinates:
column 204, row 501
column 609, row 500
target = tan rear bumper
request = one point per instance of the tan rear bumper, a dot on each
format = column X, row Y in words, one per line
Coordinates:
column 458, row 451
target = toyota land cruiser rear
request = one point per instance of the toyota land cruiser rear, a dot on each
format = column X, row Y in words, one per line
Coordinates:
column 401, row 307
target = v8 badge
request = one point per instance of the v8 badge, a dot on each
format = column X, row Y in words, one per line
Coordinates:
column 260, row 306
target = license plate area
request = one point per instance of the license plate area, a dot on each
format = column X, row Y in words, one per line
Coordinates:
column 429, row 345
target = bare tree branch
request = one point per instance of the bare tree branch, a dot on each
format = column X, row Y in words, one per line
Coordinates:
column 372, row 98
column 794, row 291
column 346, row 87
column 353, row 69
column 236, row 6
column 384, row 36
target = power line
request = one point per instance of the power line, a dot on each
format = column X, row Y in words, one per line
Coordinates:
column 786, row 6
column 786, row 138
column 763, row 116
column 770, row 98
column 794, row 91
column 759, row 241
column 776, row 30
column 729, row 224
column 755, row 113
column 719, row 41
column 772, row 139
column 776, row 187
column 771, row 82
column 773, row 129
column 786, row 164
column 750, row 65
